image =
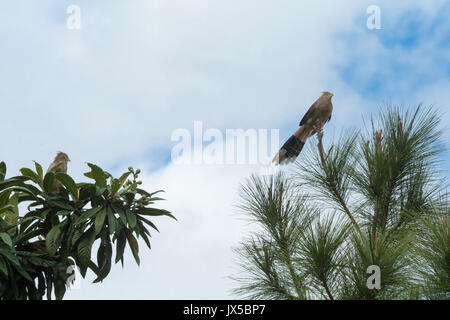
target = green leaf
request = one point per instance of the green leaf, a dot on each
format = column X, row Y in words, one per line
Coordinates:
column 146, row 240
column 101, row 253
column 119, row 226
column 120, row 245
column 3, row 267
column 98, row 175
column 26, row 191
column 64, row 213
column 60, row 289
column 39, row 170
column 61, row 204
column 22, row 272
column 89, row 175
column 118, row 183
column 100, row 220
column 145, row 193
column 42, row 262
column 8, row 207
column 104, row 258
column 131, row 217
column 85, row 247
column 68, row 183
column 111, row 220
column 30, row 173
column 78, row 232
column 155, row 212
column 8, row 255
column 49, row 178
column 11, row 216
column 49, row 283
column 134, row 246
column 87, row 215
column 149, row 223
column 121, row 213
column 2, row 171
column 53, row 239
column 155, row 199
column 14, row 181
column 99, row 191
column 6, row 238
column 4, row 197
column 25, row 236
column 45, row 213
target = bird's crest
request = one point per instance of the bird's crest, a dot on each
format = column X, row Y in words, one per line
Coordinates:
column 62, row 156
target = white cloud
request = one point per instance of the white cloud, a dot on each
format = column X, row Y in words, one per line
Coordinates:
column 132, row 74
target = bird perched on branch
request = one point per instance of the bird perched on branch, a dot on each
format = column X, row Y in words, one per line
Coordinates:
column 317, row 115
column 58, row 165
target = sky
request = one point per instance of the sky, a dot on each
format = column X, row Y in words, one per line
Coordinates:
column 115, row 90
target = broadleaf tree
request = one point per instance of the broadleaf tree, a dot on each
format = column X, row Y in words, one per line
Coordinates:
column 40, row 248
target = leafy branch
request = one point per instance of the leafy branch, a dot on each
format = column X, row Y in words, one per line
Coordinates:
column 60, row 229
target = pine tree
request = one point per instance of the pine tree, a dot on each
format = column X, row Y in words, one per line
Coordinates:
column 374, row 201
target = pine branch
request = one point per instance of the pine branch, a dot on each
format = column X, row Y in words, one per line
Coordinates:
column 323, row 159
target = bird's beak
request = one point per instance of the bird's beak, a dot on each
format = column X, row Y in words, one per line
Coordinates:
column 332, row 94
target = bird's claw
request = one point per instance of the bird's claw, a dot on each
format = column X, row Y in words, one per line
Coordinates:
column 318, row 129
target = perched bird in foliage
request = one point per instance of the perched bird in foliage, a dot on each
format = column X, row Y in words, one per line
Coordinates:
column 58, row 165
column 317, row 115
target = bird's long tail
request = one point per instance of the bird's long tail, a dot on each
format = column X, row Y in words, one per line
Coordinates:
column 292, row 147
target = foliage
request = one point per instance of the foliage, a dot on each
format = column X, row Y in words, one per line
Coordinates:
column 375, row 198
column 59, row 230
